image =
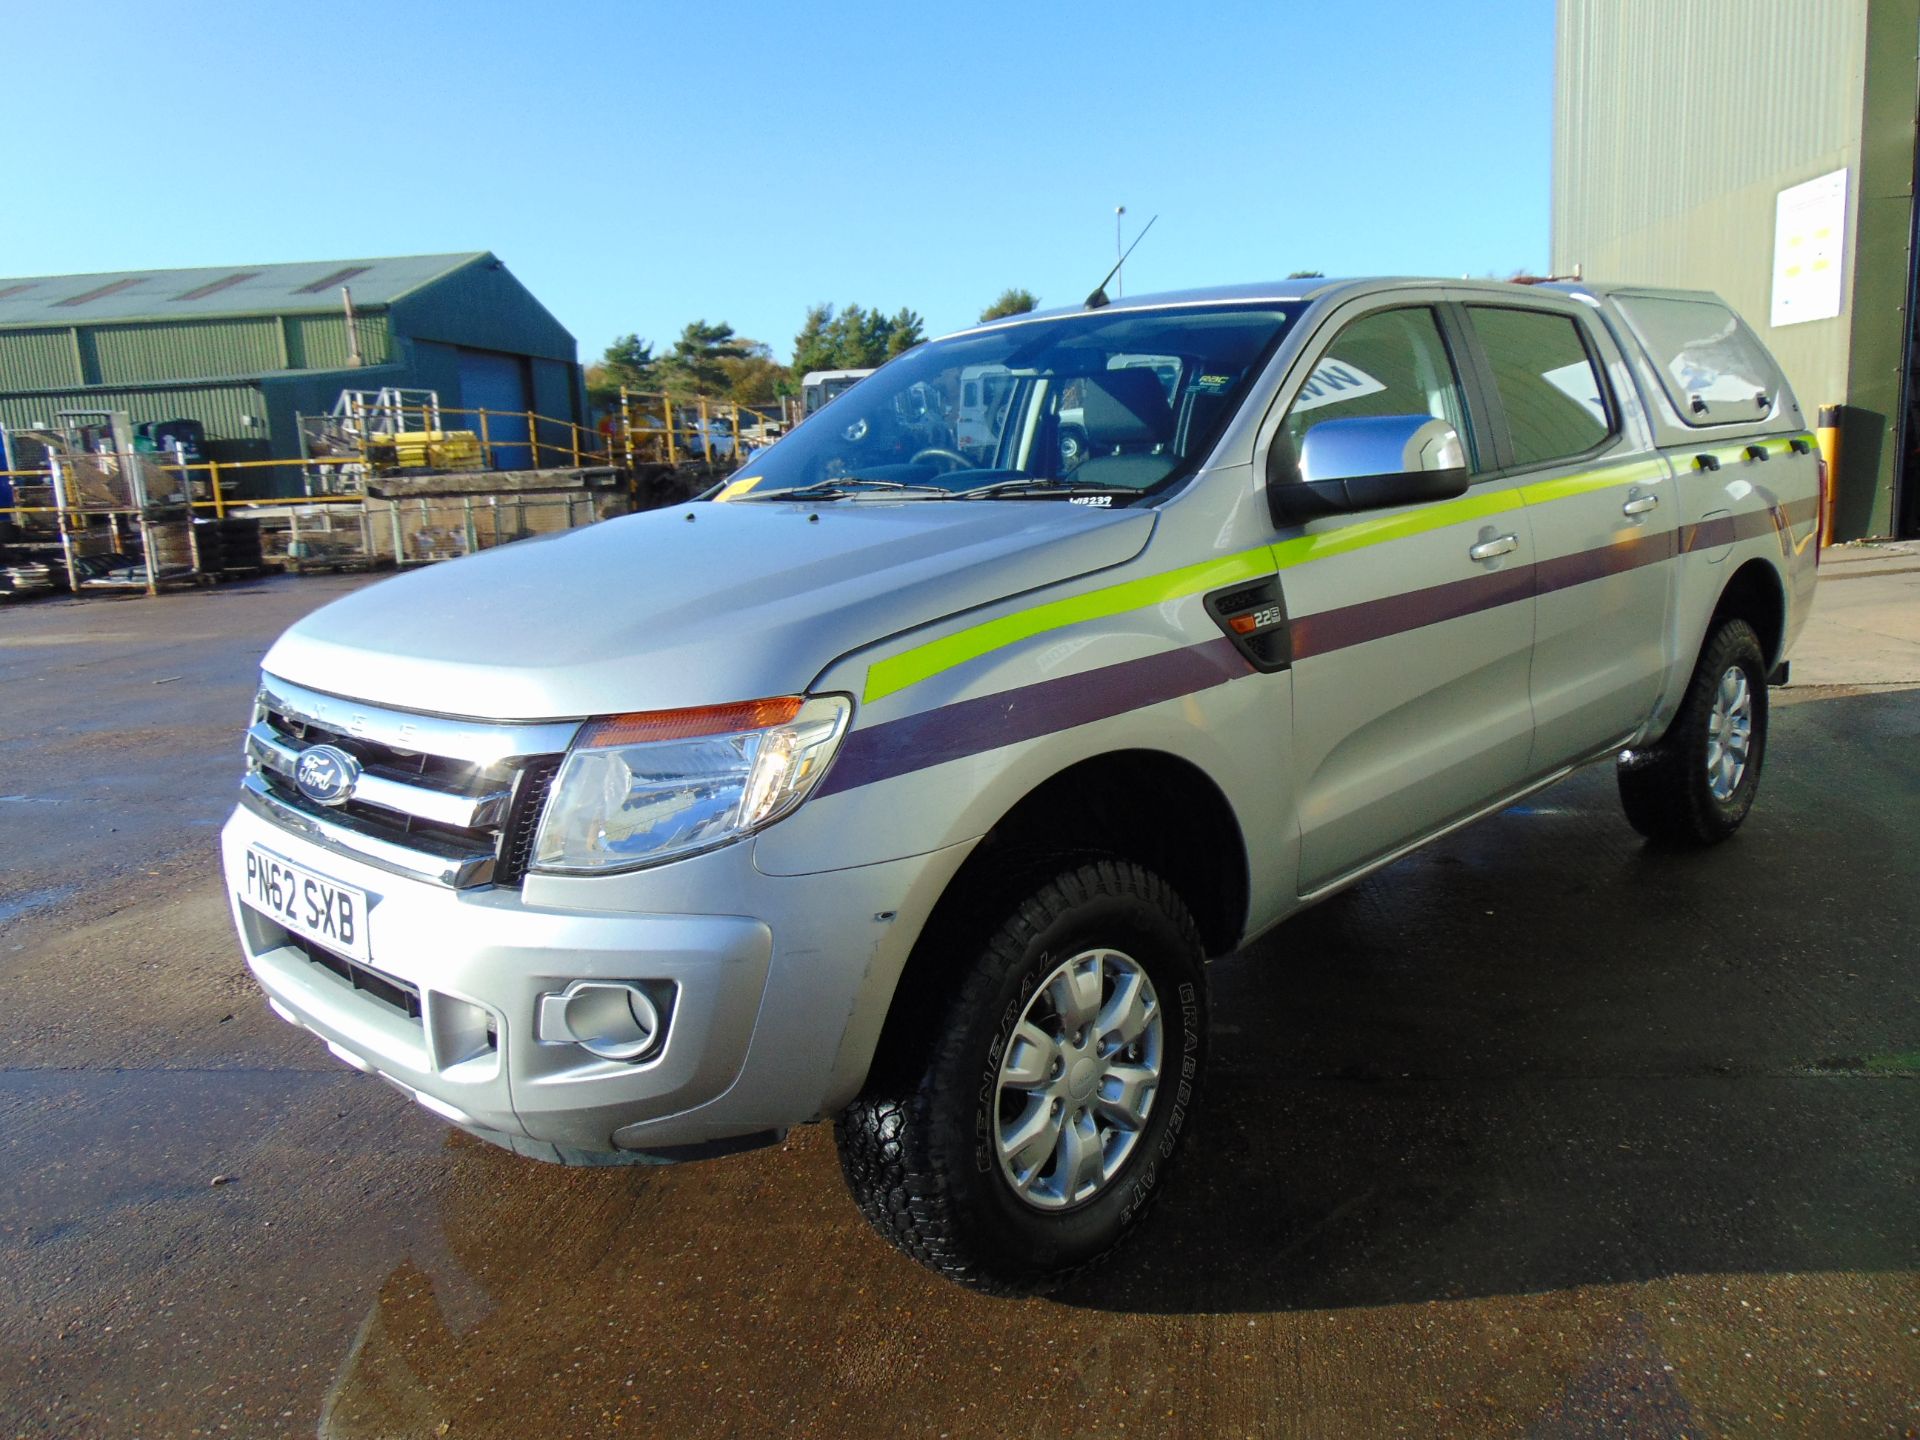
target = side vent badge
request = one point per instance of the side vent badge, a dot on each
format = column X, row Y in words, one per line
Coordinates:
column 1254, row 617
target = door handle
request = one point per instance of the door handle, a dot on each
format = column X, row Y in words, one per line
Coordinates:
column 1639, row 505
column 1491, row 549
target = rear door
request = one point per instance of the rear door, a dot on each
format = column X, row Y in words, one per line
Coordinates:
column 1412, row 627
column 1603, row 515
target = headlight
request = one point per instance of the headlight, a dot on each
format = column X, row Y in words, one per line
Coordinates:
column 638, row 789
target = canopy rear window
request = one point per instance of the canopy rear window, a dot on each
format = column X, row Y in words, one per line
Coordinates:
column 1712, row 368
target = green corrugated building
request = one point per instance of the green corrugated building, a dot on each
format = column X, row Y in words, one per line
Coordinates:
column 1765, row 151
column 244, row 348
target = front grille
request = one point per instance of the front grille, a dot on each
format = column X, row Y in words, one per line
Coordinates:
column 389, row 990
column 523, row 819
column 454, row 801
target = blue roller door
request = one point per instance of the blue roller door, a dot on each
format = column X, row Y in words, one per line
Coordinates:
column 492, row 382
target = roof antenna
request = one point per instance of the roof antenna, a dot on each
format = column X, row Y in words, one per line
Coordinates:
column 1099, row 297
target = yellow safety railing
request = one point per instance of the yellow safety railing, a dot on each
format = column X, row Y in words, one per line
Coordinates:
column 549, row 442
column 652, row 427
column 219, row 475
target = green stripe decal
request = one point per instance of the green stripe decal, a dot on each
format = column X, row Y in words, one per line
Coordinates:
column 1588, row 481
column 1382, row 528
column 922, row 662
column 910, row 667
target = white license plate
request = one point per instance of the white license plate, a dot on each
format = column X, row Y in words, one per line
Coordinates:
column 323, row 910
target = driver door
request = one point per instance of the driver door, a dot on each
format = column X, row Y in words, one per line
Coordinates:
column 1412, row 627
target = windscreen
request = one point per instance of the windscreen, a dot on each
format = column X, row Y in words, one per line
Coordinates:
column 1120, row 404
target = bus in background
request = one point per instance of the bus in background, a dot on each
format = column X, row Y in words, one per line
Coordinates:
column 817, row 387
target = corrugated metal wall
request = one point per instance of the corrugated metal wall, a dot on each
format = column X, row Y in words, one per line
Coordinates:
column 1676, row 125
column 218, row 407
column 319, row 342
column 184, row 350
column 141, row 352
column 32, row 359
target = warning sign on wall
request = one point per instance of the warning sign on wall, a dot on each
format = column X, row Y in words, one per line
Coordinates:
column 1809, row 235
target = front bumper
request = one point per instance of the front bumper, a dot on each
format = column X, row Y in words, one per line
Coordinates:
column 772, row 1014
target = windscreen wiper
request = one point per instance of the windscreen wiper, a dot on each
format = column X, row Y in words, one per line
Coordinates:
column 1039, row 486
column 850, row 485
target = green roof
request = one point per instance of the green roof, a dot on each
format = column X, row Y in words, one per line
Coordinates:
column 219, row 289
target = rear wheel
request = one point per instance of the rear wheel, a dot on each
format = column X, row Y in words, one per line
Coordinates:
column 1026, row 1134
column 1697, row 784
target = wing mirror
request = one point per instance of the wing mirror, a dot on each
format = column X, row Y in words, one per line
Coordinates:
column 1368, row 462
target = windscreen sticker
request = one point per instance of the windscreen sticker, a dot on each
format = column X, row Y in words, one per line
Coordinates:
column 1213, row 384
column 1332, row 381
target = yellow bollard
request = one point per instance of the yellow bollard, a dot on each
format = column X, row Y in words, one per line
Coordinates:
column 1828, row 436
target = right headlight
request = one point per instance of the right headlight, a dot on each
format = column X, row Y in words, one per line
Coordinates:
column 639, row 789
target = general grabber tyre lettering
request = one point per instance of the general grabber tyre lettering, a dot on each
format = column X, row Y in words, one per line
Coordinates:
column 1697, row 784
column 1017, row 1139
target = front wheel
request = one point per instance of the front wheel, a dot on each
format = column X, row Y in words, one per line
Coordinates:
column 1028, row 1132
column 1697, row 784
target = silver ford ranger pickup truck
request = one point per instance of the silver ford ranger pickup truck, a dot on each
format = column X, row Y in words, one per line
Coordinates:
column 909, row 781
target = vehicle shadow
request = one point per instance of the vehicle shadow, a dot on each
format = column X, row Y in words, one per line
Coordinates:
column 1544, row 1054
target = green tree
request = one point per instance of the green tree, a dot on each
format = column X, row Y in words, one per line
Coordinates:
column 813, row 347
column 756, row 377
column 905, row 330
column 697, row 363
column 628, row 362
column 1306, row 275
column 854, row 338
column 1014, row 301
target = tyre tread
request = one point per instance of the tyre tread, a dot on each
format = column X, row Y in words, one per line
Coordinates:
column 888, row 1141
column 1664, row 797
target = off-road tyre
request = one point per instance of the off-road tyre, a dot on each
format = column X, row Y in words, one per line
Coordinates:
column 918, row 1147
column 1665, row 789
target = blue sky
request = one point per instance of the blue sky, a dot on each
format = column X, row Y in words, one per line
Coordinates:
column 639, row 166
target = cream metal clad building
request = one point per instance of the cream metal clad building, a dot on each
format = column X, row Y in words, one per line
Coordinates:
column 1764, row 149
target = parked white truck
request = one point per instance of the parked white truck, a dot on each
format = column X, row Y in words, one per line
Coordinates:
column 911, row 788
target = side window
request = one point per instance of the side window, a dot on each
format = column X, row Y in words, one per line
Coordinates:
column 1712, row 368
column 1392, row 362
column 1554, row 399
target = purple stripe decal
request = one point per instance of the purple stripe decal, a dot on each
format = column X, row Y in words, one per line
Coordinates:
column 1710, row 534
column 1331, row 630
column 969, row 727
column 1727, row 529
column 1630, row 553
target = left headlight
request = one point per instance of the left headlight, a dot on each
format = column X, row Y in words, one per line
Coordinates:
column 639, row 789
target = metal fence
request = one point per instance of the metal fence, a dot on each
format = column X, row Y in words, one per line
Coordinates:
column 413, row 431
column 137, row 520
column 650, row 428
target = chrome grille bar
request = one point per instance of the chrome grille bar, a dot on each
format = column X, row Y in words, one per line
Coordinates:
column 487, row 744
column 434, row 797
column 463, row 812
column 458, row 870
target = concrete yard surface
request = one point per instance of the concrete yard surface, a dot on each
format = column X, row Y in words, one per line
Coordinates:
column 1541, row 1133
column 1865, row 626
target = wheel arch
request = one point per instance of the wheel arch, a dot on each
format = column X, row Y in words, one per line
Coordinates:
column 1148, row 806
column 1755, row 594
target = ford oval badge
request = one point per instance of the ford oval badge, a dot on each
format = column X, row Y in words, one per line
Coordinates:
column 326, row 775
